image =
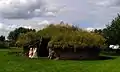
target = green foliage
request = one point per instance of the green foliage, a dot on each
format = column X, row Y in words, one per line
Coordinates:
column 26, row 38
column 66, row 36
column 2, row 38
column 13, row 35
column 98, row 31
column 112, row 31
column 53, row 30
column 4, row 44
column 78, row 39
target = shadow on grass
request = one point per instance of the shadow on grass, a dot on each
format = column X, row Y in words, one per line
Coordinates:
column 106, row 58
column 45, row 58
column 112, row 54
column 97, row 59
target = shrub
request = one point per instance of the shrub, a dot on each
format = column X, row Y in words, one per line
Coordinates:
column 4, row 45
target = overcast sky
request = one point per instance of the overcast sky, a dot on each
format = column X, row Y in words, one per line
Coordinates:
column 39, row 13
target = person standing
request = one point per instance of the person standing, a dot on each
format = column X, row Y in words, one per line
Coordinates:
column 34, row 53
column 30, row 53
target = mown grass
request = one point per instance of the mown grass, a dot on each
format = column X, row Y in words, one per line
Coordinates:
column 14, row 63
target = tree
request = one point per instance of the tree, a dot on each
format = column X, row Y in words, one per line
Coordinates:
column 112, row 31
column 13, row 35
column 99, row 31
column 2, row 38
column 26, row 38
column 3, row 42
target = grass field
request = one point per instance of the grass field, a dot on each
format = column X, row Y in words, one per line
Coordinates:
column 13, row 63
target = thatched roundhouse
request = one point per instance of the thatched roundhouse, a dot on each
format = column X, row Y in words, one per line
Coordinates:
column 68, row 42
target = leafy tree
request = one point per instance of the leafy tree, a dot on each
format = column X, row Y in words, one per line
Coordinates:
column 112, row 31
column 2, row 38
column 99, row 31
column 25, row 38
column 13, row 35
column 3, row 42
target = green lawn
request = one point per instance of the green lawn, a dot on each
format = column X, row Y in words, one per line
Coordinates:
column 13, row 63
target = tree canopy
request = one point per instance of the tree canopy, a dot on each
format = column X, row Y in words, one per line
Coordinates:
column 2, row 38
column 26, row 38
column 112, row 31
column 3, row 42
column 13, row 35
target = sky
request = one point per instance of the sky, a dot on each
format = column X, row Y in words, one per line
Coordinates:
column 88, row 14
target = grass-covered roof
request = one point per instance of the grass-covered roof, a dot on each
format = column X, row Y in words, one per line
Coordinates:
column 67, row 36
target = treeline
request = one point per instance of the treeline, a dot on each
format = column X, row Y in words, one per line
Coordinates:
column 13, row 35
column 3, row 42
column 112, row 32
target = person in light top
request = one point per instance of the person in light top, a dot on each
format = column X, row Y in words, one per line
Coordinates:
column 30, row 53
column 34, row 53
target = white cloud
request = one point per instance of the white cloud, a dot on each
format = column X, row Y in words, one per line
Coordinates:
column 103, row 3
column 50, row 14
column 1, row 25
column 29, row 24
column 3, row 29
column 90, row 29
column 115, row 3
column 108, row 3
column 6, row 28
column 29, row 27
column 19, row 9
column 12, row 26
column 45, row 22
column 86, row 13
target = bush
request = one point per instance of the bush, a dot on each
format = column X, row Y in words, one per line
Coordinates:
column 4, row 45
